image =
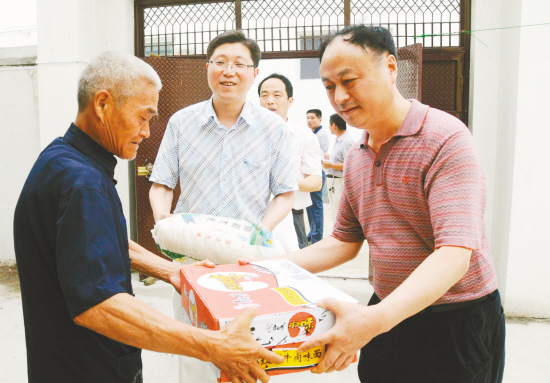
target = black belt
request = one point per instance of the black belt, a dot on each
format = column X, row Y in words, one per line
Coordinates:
column 457, row 305
column 331, row 176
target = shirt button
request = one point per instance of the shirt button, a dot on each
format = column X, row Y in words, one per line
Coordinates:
column 378, row 163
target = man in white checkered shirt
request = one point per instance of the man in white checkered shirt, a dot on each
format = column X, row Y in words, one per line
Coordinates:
column 229, row 156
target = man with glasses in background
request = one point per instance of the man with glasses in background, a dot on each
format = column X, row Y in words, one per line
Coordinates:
column 229, row 156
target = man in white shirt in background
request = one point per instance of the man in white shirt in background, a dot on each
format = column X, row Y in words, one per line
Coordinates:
column 334, row 163
column 276, row 94
column 315, row 214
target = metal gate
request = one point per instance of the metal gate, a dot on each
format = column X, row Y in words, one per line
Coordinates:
column 295, row 29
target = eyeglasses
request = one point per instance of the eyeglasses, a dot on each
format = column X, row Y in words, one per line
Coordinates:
column 237, row 67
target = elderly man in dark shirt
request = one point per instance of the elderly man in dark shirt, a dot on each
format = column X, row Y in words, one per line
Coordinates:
column 82, row 322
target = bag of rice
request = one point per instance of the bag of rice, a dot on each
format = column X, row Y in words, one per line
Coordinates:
column 221, row 240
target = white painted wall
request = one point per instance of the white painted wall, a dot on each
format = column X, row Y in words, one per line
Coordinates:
column 38, row 103
column 70, row 33
column 17, row 23
column 507, row 98
column 19, row 111
column 21, row 146
column 527, row 282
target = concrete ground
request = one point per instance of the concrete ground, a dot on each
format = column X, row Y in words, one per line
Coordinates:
column 527, row 342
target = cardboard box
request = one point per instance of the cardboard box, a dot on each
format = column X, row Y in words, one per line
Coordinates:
column 284, row 295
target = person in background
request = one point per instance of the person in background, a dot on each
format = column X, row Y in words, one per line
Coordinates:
column 228, row 155
column 82, row 321
column 334, row 163
column 315, row 213
column 276, row 94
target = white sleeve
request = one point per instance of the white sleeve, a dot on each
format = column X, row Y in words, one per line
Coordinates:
column 311, row 155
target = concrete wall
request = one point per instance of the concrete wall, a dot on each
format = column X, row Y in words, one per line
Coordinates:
column 527, row 282
column 508, row 94
column 17, row 23
column 21, row 145
column 70, row 33
column 38, row 103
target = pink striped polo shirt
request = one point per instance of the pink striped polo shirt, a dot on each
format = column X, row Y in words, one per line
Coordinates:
column 423, row 190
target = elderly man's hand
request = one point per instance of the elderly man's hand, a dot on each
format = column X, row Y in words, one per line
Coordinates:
column 235, row 351
column 355, row 326
column 175, row 279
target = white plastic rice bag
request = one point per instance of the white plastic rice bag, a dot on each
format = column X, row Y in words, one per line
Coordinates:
column 221, row 240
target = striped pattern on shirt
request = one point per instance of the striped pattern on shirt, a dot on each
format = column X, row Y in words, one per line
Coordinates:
column 226, row 172
column 423, row 190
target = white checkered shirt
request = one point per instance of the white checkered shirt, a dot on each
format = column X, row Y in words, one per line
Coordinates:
column 226, row 172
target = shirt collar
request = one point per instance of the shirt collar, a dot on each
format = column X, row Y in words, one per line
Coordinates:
column 319, row 128
column 246, row 113
column 414, row 120
column 342, row 136
column 87, row 146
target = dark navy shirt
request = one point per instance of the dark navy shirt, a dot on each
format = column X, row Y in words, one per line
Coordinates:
column 71, row 247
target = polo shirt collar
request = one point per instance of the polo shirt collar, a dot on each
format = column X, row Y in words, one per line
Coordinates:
column 87, row 146
column 411, row 125
column 342, row 136
column 414, row 120
column 319, row 128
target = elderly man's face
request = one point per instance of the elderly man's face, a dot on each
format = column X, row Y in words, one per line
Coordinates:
column 126, row 127
column 359, row 84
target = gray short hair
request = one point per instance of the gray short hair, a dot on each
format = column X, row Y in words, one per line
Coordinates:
column 117, row 73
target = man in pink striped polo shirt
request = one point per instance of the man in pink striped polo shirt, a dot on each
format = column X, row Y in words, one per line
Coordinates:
column 415, row 191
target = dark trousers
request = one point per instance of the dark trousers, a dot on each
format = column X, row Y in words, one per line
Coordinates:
column 315, row 215
column 300, row 227
column 464, row 345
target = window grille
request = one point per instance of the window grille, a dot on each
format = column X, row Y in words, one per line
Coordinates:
column 291, row 25
column 294, row 28
column 185, row 30
column 409, row 18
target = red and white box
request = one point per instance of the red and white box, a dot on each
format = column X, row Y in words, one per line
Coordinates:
column 284, row 295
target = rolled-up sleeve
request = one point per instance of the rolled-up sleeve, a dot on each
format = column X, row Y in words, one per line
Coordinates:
column 166, row 167
column 90, row 265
